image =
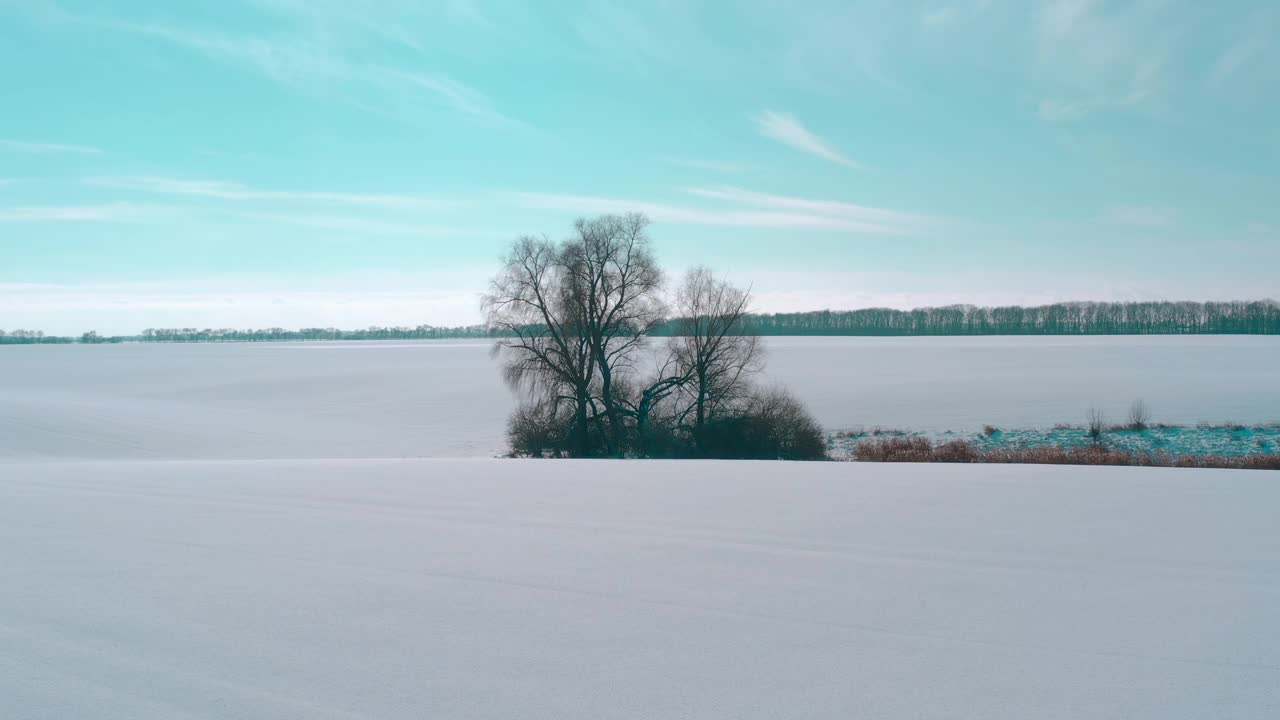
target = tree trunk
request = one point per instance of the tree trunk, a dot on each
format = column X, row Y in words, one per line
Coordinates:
column 580, row 437
column 613, row 438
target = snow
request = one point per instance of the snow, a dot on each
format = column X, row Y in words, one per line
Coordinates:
column 402, row 588
column 446, row 398
column 250, row 531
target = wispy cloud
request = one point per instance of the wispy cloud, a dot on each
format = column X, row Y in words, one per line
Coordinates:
column 357, row 225
column 938, row 17
column 711, row 165
column 458, row 95
column 664, row 212
column 1252, row 46
column 1142, row 216
column 317, row 63
column 1062, row 110
column 224, row 301
column 889, row 218
column 45, row 147
column 110, row 212
column 1093, row 59
column 786, row 129
column 236, row 191
column 619, row 31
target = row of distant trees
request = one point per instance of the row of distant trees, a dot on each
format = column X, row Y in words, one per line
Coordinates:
column 1078, row 318
column 1084, row 318
column 197, row 335
column 32, row 337
column 420, row 332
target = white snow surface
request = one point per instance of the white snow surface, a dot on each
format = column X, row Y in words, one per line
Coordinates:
column 410, row 588
column 447, row 399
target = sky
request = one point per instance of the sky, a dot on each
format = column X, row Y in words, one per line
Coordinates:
column 259, row 163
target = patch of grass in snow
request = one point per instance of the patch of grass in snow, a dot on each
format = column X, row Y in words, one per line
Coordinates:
column 920, row 449
column 1171, row 441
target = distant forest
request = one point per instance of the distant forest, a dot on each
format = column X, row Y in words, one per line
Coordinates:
column 190, row 335
column 1082, row 318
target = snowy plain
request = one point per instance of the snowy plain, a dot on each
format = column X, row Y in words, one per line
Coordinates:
column 247, row 532
column 446, row 398
column 564, row 589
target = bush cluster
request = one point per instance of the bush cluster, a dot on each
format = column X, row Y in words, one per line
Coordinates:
column 765, row 425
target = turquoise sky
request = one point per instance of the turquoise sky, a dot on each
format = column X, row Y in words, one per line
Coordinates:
column 298, row 162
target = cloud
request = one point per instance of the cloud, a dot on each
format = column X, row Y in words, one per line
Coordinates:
column 786, row 129
column 712, row 165
column 1142, row 216
column 1261, row 229
column 358, row 225
column 111, row 212
column 938, row 17
column 663, row 212
column 1058, row 110
column 43, row 147
column 458, row 95
column 318, row 62
column 823, row 207
column 1092, row 58
column 128, row 308
column 237, row 191
column 1250, row 48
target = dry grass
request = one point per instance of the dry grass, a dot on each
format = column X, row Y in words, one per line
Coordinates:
column 961, row 451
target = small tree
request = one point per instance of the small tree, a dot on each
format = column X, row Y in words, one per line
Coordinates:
column 1097, row 424
column 712, row 346
column 1139, row 415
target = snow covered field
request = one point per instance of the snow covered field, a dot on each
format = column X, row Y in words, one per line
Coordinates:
column 241, row 531
column 559, row 589
column 446, row 398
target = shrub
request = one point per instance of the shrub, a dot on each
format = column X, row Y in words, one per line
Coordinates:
column 956, row 451
column 908, row 449
column 1096, row 425
column 532, row 431
column 1139, row 415
column 770, row 425
column 540, row 430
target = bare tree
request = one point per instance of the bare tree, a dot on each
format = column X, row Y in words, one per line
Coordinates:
column 1096, row 425
column 711, row 344
column 578, row 312
column 548, row 352
column 641, row 404
column 616, row 284
column 575, row 318
column 1139, row 415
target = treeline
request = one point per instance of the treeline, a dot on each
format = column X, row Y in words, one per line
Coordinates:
column 32, row 337
column 1078, row 318
column 420, row 332
column 1261, row 317
column 196, row 335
